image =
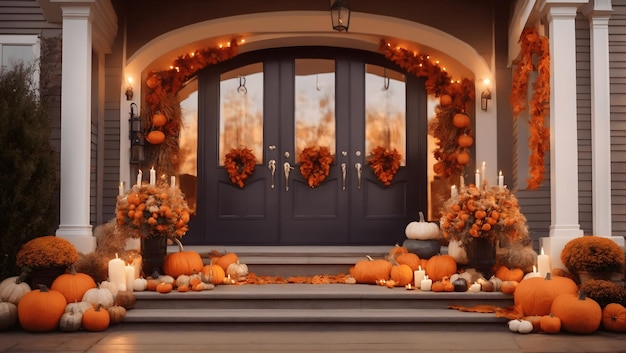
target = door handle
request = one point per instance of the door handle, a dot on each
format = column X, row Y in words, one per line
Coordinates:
column 344, row 171
column 271, row 165
column 359, row 173
column 287, row 167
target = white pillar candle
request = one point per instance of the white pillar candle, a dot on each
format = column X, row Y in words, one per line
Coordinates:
column 500, row 180
column 426, row 284
column 543, row 263
column 418, row 276
column 139, row 177
column 130, row 277
column 461, row 182
column 484, row 172
column 477, row 178
column 121, row 188
column 173, row 181
column 453, row 191
column 475, row 288
column 152, row 176
column 117, row 273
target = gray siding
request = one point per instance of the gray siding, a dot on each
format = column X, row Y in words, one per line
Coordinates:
column 22, row 17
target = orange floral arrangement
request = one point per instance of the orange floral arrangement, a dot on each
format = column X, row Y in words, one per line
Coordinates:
column 384, row 163
column 592, row 254
column 153, row 210
column 533, row 45
column 239, row 164
column 488, row 212
column 315, row 164
column 46, row 251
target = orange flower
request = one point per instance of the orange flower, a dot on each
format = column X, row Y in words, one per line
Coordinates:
column 239, row 164
column 315, row 164
column 385, row 164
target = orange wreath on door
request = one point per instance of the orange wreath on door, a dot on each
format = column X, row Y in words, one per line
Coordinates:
column 384, row 163
column 315, row 164
column 239, row 164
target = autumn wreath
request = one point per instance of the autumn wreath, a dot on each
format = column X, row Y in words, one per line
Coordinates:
column 239, row 163
column 384, row 163
column 315, row 164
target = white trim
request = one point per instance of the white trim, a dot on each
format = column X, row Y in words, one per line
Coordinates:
column 20, row 39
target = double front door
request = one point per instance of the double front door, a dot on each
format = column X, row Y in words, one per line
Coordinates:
column 276, row 104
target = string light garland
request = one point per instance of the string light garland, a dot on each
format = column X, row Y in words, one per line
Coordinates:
column 532, row 44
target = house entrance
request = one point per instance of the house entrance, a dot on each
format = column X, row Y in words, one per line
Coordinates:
column 276, row 104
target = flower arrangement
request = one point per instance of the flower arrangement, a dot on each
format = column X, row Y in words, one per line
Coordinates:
column 384, row 163
column 486, row 212
column 153, row 210
column 315, row 164
column 603, row 292
column 592, row 254
column 45, row 252
column 239, row 164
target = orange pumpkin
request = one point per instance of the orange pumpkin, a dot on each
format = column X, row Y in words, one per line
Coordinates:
column 97, row 319
column 614, row 317
column 213, row 274
column 578, row 313
column 398, row 250
column 550, row 324
column 506, row 274
column 445, row 100
column 401, row 275
column 463, row 158
column 164, row 287
column 73, row 285
column 182, row 262
column 508, row 287
column 409, row 259
column 40, row 310
column 370, row 270
column 159, row 119
column 465, row 140
column 461, row 120
column 534, row 296
column 156, row 137
column 440, row 266
column 225, row 260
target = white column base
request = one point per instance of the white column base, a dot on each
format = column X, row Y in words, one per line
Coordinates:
column 80, row 236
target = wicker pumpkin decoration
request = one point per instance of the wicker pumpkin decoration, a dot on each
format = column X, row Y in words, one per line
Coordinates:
column 410, row 259
column 213, row 274
column 98, row 296
column 41, row 309
column 421, row 229
column 8, row 315
column 440, row 266
column 534, row 296
column 71, row 320
column 401, row 274
column 506, row 274
column 96, row 319
column 614, row 317
column 182, row 262
column 126, row 299
column 370, row 270
column 73, row 285
column 117, row 314
column 12, row 289
column 550, row 324
column 225, row 260
column 578, row 313
column 155, row 137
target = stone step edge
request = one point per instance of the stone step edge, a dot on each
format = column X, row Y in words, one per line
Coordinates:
column 310, row 315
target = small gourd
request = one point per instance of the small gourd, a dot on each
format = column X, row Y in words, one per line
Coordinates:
column 182, row 280
column 140, row 284
column 237, row 270
column 117, row 314
column 164, row 287
column 421, row 229
column 71, row 320
column 459, row 283
column 521, row 326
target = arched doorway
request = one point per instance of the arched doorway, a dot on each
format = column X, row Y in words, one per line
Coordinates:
column 352, row 205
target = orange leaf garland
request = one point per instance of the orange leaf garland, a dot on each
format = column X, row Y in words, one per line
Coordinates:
column 315, row 164
column 384, row 163
column 239, row 164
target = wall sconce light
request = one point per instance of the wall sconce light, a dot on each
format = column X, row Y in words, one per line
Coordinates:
column 129, row 90
column 135, row 134
column 485, row 96
column 340, row 15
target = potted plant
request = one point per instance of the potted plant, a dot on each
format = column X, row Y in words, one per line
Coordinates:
column 45, row 258
column 603, row 292
column 593, row 257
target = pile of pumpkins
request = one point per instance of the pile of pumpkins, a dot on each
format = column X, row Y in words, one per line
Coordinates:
column 73, row 301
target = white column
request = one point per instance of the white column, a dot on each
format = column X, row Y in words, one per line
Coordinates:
column 76, row 128
column 563, row 128
column 598, row 14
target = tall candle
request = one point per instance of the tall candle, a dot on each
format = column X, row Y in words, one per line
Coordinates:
column 543, row 263
column 152, row 176
column 139, row 177
column 500, row 180
column 484, row 172
column 426, row 284
column 461, row 182
column 173, row 181
column 130, row 277
column 121, row 188
column 418, row 276
column 453, row 191
column 117, row 272
column 477, row 178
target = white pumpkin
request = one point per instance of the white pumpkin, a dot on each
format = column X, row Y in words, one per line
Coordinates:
column 80, row 307
column 110, row 286
column 422, row 230
column 514, row 325
column 12, row 289
column 525, row 326
column 97, row 296
column 140, row 284
column 237, row 270
column 8, row 315
column 457, row 252
column 71, row 320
